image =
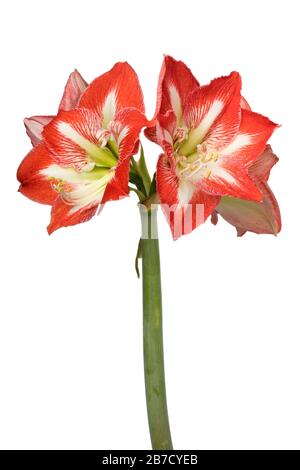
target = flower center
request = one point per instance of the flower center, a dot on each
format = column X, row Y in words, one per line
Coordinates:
column 201, row 162
column 79, row 189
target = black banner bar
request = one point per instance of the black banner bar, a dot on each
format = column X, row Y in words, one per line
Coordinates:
column 136, row 458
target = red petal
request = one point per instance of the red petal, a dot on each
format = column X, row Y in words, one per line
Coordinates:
column 174, row 76
column 167, row 183
column 213, row 113
column 251, row 140
column 126, row 128
column 230, row 181
column 182, row 218
column 117, row 188
column 233, row 176
column 34, row 127
column 150, row 132
column 119, row 88
column 165, row 127
column 257, row 217
column 34, row 185
column 63, row 216
column 74, row 88
column 67, row 149
column 175, row 80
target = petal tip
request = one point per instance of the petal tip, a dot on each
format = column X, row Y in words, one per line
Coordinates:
column 50, row 229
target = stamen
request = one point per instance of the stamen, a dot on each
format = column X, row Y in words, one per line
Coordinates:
column 180, row 134
column 201, row 161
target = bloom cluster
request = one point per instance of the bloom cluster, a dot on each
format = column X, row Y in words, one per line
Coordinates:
column 214, row 156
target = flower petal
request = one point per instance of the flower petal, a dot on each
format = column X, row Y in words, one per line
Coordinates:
column 126, row 128
column 118, row 188
column 213, row 111
column 34, row 183
column 72, row 137
column 34, row 127
column 229, row 181
column 231, row 174
column 184, row 205
column 251, row 140
column 119, row 88
column 165, row 127
column 175, row 83
column 262, row 166
column 63, row 215
column 257, row 217
column 74, row 88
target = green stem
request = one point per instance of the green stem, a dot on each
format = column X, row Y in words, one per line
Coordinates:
column 153, row 333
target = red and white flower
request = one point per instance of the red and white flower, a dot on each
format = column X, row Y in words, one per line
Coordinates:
column 210, row 139
column 81, row 157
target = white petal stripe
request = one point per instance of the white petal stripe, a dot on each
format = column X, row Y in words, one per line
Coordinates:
column 240, row 141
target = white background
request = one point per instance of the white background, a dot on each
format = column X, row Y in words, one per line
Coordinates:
column 71, row 366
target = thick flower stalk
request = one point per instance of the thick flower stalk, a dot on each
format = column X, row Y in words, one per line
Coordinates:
column 215, row 160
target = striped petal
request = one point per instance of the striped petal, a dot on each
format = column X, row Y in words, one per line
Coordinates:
column 74, row 138
column 231, row 180
column 185, row 206
column 82, row 196
column 106, row 95
column 74, row 88
column 117, row 188
column 63, row 216
column 175, row 83
column 165, row 128
column 125, row 128
column 255, row 130
column 229, row 175
column 80, row 193
column 213, row 112
column 257, row 217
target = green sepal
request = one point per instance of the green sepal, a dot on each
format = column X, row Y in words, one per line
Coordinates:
column 143, row 171
column 153, row 185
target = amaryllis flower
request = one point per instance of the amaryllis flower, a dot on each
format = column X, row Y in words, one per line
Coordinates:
column 209, row 139
column 82, row 156
column 74, row 88
column 215, row 160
